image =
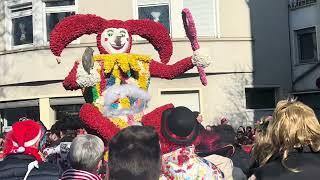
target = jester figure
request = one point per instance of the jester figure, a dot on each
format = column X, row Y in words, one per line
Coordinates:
column 115, row 82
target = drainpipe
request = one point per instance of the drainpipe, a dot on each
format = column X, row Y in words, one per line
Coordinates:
column 290, row 51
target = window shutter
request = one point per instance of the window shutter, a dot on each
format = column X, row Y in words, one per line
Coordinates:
column 203, row 12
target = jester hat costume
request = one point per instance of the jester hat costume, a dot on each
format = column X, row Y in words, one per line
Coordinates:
column 115, row 82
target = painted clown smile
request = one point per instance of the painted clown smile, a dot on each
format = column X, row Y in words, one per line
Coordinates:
column 116, row 47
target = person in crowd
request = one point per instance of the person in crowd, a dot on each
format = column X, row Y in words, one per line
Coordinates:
column 260, row 137
column 134, row 154
column 85, row 157
column 209, row 128
column 22, row 158
column 54, row 134
column 224, row 121
column 180, row 126
column 250, row 134
column 290, row 147
column 232, row 150
column 65, row 131
column 1, row 145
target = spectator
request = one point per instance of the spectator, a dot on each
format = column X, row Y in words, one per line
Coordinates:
column 180, row 126
column 208, row 128
column 291, row 145
column 224, row 121
column 65, row 130
column 85, row 156
column 238, row 156
column 1, row 145
column 22, row 158
column 134, row 154
column 54, row 134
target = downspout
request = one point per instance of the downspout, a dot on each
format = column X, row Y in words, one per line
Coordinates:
column 290, row 51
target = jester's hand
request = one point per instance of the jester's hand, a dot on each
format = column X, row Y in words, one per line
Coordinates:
column 200, row 60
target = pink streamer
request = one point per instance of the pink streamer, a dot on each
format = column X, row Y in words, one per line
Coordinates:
column 191, row 31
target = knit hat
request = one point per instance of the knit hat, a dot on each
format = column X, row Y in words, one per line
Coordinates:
column 23, row 136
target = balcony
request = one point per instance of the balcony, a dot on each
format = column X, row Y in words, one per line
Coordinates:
column 295, row 4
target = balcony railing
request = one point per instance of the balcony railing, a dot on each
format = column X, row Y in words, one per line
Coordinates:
column 294, row 4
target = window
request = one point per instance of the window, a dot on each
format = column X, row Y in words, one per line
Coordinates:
column 260, row 98
column 156, row 10
column 55, row 11
column 12, row 111
column 29, row 22
column 63, row 111
column 12, row 115
column 204, row 15
column 67, row 106
column 187, row 98
column 168, row 12
column 307, row 45
column 293, row 4
column 21, row 27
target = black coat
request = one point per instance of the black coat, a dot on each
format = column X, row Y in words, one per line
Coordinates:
column 307, row 163
column 14, row 167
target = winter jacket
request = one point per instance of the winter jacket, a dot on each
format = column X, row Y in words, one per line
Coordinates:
column 15, row 167
column 307, row 164
column 223, row 163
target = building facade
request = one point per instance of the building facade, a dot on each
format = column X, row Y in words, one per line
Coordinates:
column 248, row 42
column 304, row 37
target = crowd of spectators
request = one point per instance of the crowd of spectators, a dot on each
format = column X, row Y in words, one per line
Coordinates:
column 282, row 146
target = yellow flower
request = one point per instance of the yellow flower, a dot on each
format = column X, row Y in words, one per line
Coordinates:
column 123, row 60
column 120, row 123
column 125, row 102
column 116, row 72
column 106, row 156
column 143, row 81
column 98, row 88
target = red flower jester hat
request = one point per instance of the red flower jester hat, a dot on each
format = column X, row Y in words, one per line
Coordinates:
column 75, row 26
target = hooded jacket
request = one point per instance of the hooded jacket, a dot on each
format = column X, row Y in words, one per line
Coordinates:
column 15, row 167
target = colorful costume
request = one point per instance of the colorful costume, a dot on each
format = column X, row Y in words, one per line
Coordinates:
column 115, row 82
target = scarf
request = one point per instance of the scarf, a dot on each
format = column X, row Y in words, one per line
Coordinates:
column 74, row 174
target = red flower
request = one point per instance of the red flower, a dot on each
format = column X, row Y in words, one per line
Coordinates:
column 70, row 82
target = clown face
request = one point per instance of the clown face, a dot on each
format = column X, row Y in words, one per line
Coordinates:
column 115, row 40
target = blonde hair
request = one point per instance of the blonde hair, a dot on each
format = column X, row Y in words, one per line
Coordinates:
column 294, row 125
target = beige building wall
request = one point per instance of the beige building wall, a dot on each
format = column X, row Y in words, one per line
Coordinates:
column 34, row 73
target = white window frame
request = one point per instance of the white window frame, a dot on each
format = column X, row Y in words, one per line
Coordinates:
column 57, row 9
column 199, row 90
column 176, row 24
column 297, row 48
column 135, row 6
column 38, row 13
column 8, row 22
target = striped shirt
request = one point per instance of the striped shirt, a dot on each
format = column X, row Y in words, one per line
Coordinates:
column 74, row 174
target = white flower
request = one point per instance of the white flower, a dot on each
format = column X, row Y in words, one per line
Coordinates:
column 201, row 60
column 86, row 80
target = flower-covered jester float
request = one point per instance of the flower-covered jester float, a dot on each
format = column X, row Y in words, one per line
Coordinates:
column 115, row 82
